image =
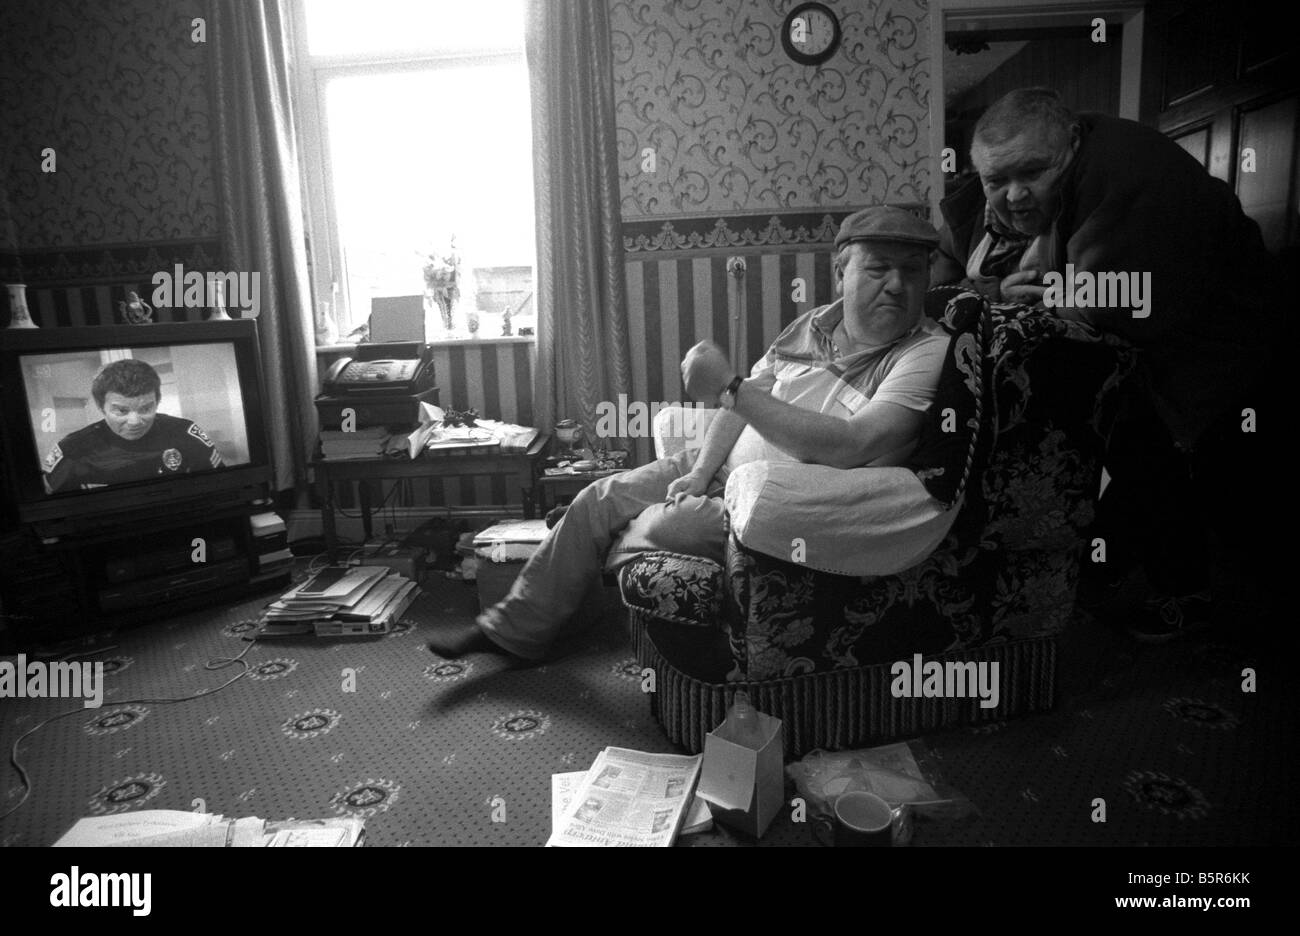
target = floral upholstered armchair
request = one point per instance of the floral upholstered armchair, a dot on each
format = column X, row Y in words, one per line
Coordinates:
column 1012, row 442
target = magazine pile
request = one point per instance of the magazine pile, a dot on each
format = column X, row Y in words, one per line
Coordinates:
column 628, row 798
column 437, row 433
column 174, row 828
column 340, row 601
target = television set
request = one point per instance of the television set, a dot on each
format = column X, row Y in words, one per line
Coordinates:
column 108, row 422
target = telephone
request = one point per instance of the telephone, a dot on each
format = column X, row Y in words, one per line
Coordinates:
column 388, row 376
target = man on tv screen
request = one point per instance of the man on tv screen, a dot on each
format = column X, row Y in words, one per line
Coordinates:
column 133, row 442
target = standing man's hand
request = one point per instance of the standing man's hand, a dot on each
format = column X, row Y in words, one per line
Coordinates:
column 1022, row 287
column 706, row 371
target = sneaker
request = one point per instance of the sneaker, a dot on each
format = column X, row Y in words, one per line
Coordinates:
column 1167, row 617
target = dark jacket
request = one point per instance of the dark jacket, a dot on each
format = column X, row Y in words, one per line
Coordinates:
column 1135, row 201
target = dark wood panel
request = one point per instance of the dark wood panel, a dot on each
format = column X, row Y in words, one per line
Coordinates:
column 1196, row 142
column 1219, row 82
column 1263, row 42
column 1190, row 54
column 1268, row 193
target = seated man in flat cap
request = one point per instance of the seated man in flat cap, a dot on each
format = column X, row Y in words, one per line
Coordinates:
column 845, row 385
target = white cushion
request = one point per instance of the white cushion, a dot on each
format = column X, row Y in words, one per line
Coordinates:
column 857, row 521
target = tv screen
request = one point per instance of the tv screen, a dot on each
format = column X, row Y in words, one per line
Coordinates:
column 125, row 417
column 117, row 415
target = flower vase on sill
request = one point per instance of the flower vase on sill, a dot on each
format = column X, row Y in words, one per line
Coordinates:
column 445, row 309
column 442, row 283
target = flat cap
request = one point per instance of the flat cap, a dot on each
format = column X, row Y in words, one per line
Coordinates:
column 886, row 223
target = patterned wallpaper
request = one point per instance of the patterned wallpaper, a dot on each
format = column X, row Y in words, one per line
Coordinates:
column 737, row 125
column 121, row 93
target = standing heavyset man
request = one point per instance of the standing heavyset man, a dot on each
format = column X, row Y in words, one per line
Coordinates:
column 845, row 385
column 1066, row 194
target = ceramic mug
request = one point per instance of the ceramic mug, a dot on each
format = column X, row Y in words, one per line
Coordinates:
column 858, row 819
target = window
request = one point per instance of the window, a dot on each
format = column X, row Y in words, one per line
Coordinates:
column 417, row 143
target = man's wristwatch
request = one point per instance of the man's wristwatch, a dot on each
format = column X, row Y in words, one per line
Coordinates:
column 727, row 399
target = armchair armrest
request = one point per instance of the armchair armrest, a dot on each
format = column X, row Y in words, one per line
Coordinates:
column 680, row 427
column 855, row 521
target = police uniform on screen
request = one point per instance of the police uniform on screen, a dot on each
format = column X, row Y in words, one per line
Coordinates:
column 96, row 456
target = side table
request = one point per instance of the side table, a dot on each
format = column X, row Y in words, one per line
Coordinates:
column 550, row 488
column 523, row 467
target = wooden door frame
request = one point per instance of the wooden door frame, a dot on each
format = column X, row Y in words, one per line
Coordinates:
column 1007, row 14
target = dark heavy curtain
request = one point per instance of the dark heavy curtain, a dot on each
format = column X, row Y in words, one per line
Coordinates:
column 582, row 326
column 261, row 212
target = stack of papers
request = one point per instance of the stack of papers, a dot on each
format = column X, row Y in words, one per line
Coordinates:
column 173, row 828
column 339, row 600
column 513, row 438
column 512, row 531
column 434, row 435
column 336, row 445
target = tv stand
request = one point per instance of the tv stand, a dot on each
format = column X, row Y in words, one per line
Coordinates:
column 73, row 577
column 247, row 500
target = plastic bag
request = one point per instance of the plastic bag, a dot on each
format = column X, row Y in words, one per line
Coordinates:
column 901, row 774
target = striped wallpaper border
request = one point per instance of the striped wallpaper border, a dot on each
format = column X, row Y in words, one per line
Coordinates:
column 740, row 231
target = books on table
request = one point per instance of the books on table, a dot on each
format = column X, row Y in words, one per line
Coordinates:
column 336, row 445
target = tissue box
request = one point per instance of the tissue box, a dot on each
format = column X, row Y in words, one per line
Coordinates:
column 744, row 787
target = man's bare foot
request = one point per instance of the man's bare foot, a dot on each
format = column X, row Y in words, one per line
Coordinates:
column 453, row 640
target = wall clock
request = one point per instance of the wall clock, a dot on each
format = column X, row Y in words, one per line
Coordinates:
column 811, row 33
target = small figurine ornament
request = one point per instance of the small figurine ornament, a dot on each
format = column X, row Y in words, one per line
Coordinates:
column 135, row 311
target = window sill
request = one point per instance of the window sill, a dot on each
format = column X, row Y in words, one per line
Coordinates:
column 338, row 348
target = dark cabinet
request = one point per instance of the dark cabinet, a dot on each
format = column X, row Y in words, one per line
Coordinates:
column 1221, row 80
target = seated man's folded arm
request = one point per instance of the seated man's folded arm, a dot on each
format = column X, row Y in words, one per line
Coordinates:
column 875, row 432
column 881, row 432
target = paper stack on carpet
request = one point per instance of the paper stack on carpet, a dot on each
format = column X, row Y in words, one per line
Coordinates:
column 176, row 828
column 341, row 601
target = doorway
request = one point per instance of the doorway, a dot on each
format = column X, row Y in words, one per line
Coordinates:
column 1090, row 52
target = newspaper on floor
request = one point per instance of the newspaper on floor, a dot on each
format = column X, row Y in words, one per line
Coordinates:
column 629, row 798
column 564, row 786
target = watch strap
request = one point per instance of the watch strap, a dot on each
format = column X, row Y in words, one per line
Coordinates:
column 730, row 391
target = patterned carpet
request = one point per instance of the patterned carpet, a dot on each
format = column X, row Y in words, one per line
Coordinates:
column 428, row 751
